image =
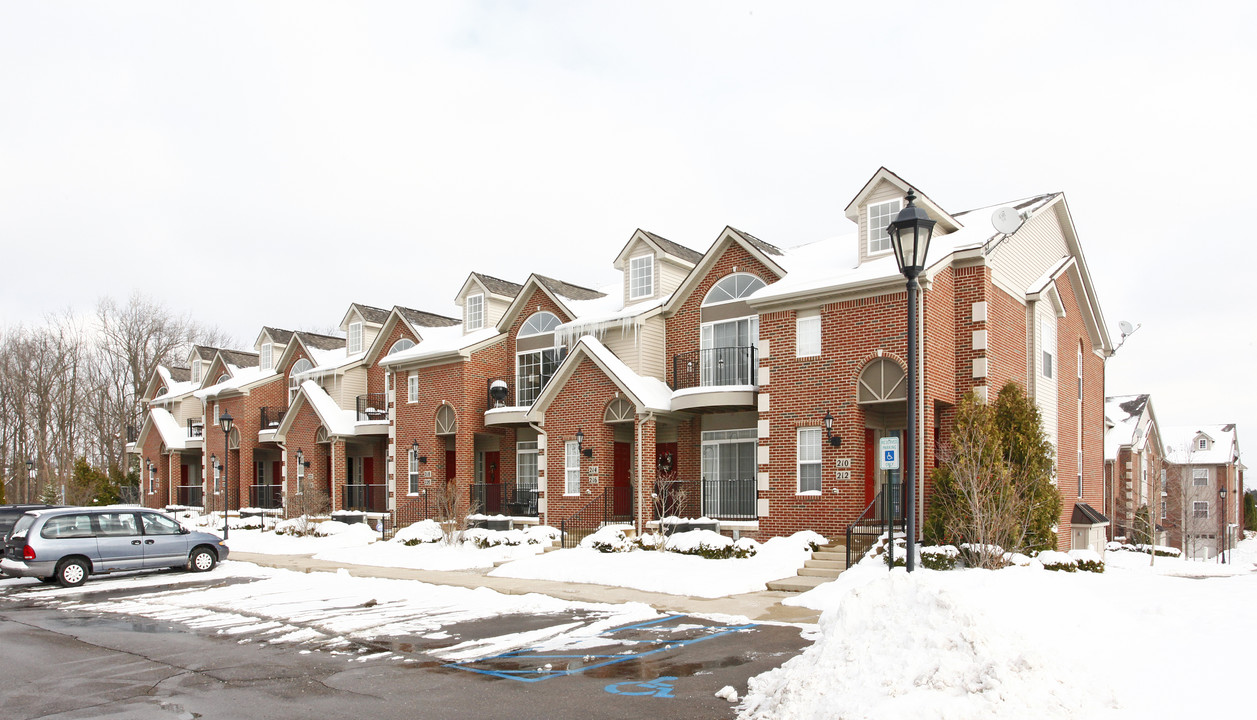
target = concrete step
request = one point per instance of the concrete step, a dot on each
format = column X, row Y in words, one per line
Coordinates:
column 797, row 584
column 826, row 564
column 830, row 556
column 819, row 572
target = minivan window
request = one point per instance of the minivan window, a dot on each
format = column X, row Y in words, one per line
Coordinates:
column 22, row 525
column 67, row 526
column 117, row 524
column 155, row 524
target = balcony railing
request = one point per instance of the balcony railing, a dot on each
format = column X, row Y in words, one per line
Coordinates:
column 733, row 499
column 196, row 428
column 271, row 417
column 715, row 367
column 132, row 434
column 503, row 499
column 373, row 406
column 191, row 495
column 267, row 497
column 370, row 498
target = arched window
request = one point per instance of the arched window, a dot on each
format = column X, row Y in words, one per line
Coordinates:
column 620, row 410
column 294, row 382
column 320, row 435
column 222, row 378
column 233, row 439
column 400, row 345
column 732, row 287
column 446, row 420
column 539, row 324
column 883, row 381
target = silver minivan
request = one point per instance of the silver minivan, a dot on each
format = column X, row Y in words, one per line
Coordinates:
column 65, row 545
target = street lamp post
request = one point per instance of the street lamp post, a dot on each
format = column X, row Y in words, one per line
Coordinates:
column 224, row 421
column 30, row 471
column 1226, row 532
column 910, row 234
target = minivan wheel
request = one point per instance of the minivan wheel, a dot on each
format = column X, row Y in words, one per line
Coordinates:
column 202, row 560
column 71, row 573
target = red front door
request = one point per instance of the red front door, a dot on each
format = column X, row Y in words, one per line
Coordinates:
column 667, row 500
column 870, row 465
column 621, row 474
column 449, row 464
column 492, row 478
column 368, row 471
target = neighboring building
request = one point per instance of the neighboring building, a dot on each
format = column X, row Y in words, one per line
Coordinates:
column 695, row 385
column 1134, row 469
column 1203, row 461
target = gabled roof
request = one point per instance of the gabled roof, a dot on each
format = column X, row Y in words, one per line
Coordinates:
column 647, row 393
column 315, row 346
column 559, row 292
column 923, row 201
column 320, row 342
column 420, row 318
column 370, row 314
column 160, row 420
column 278, row 336
column 768, row 254
column 240, row 358
column 1131, row 423
column 661, row 244
column 502, row 289
column 1084, row 514
column 179, row 374
column 338, row 422
column 1180, row 444
column 415, row 322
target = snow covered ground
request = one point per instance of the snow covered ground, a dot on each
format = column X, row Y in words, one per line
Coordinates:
column 1171, row 640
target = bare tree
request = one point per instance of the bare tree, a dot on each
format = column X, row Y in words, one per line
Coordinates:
column 310, row 503
column 448, row 515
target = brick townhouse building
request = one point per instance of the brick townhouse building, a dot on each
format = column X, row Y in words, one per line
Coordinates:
column 1134, row 469
column 698, row 384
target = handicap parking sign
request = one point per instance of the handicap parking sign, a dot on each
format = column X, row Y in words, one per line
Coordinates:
column 888, row 453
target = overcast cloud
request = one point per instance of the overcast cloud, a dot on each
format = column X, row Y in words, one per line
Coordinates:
column 269, row 163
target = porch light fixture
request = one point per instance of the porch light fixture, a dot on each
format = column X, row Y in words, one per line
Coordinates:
column 225, row 421
column 214, row 461
column 834, row 440
column 414, row 448
column 580, row 444
column 910, row 234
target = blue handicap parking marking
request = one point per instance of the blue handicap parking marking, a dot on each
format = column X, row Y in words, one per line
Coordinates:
column 890, row 456
column 659, row 687
column 532, row 666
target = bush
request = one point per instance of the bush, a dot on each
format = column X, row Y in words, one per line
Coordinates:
column 424, row 531
column 1087, row 560
column 1057, row 561
column 710, row 544
column 986, row 556
column 609, row 539
column 940, row 557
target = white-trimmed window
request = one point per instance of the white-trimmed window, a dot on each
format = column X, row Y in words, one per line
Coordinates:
column 1047, row 338
column 807, row 335
column 809, row 459
column 216, row 413
column 539, row 323
column 217, row 478
column 412, row 387
column 196, row 371
column 879, row 216
column 1163, row 479
column 1200, row 509
column 294, row 382
column 571, row 468
column 267, row 358
column 1202, row 444
column 412, row 471
column 533, row 370
column 355, row 338
column 1162, row 508
column 473, row 312
column 526, row 464
column 301, row 469
column 400, row 345
column 641, row 277
column 729, row 468
column 1200, row 477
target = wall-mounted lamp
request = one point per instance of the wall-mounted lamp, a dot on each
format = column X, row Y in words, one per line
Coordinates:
column 414, row 449
column 580, row 444
column 835, row 440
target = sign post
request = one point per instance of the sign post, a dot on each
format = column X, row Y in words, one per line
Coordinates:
column 888, row 459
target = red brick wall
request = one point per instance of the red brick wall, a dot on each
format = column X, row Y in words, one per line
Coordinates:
column 151, row 452
column 579, row 406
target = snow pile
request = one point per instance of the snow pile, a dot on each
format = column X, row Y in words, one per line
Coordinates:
column 424, row 531
column 609, row 539
column 902, row 647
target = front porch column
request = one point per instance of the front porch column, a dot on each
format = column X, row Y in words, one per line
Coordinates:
column 647, row 474
column 174, row 464
column 340, row 473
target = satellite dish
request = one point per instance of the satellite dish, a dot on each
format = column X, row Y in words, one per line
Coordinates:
column 1125, row 327
column 1006, row 220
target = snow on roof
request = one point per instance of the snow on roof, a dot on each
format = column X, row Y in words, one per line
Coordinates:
column 596, row 316
column 1181, row 447
column 240, row 377
column 337, row 421
column 651, row 392
column 175, row 390
column 441, row 341
column 1124, row 411
column 175, row 437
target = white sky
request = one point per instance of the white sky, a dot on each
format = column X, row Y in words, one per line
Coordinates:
column 257, row 164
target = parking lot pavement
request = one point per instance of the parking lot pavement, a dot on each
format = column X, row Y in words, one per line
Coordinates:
column 177, row 645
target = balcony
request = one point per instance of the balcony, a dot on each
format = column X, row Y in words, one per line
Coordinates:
column 502, row 409
column 190, row 495
column 715, row 378
column 732, row 499
column 271, row 417
column 268, row 497
column 372, row 406
column 368, row 498
column 503, row 499
column 196, row 429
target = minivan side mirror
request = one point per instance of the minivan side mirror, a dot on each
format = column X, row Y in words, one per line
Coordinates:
column 183, row 530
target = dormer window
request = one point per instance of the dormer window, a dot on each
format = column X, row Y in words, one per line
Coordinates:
column 266, row 360
column 1202, row 444
column 880, row 215
column 355, row 338
column 641, row 277
column 473, row 312
column 196, row 371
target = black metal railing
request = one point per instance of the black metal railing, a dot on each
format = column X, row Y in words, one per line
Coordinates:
column 733, row 499
column 613, row 505
column 196, row 428
column 268, row 497
column 503, row 499
column 373, row 406
column 271, row 417
column 714, row 367
column 132, row 434
column 883, row 514
column 191, row 495
column 369, row 498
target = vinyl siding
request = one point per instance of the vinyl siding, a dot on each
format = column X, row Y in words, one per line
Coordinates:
column 1030, row 252
column 1045, row 389
column 883, row 192
column 670, row 276
column 642, row 350
column 353, row 383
